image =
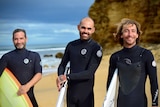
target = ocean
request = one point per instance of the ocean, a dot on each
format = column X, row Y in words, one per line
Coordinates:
column 50, row 63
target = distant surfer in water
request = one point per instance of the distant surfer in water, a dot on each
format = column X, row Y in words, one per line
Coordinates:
column 24, row 64
column 134, row 63
column 84, row 55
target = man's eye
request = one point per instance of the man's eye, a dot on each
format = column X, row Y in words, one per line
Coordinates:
column 89, row 28
column 83, row 27
column 134, row 31
column 125, row 31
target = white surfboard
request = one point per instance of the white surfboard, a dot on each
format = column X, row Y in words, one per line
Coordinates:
column 60, row 101
column 109, row 100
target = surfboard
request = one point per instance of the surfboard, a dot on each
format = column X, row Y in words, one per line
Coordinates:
column 9, row 86
column 109, row 100
column 60, row 101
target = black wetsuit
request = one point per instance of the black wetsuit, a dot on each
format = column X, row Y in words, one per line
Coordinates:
column 24, row 65
column 134, row 64
column 84, row 57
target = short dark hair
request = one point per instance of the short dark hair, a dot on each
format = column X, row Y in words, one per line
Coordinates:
column 19, row 30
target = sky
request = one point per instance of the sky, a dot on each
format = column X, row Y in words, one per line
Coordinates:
column 45, row 21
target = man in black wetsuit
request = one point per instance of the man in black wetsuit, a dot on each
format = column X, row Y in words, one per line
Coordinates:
column 24, row 64
column 134, row 63
column 84, row 56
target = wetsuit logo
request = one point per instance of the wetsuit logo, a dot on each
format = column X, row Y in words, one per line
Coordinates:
column 26, row 61
column 154, row 63
column 128, row 61
column 99, row 53
column 83, row 51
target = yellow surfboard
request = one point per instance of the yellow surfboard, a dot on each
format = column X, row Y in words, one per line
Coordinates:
column 9, row 86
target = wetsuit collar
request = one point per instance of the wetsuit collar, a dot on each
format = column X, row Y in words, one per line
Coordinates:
column 132, row 49
column 20, row 50
column 86, row 41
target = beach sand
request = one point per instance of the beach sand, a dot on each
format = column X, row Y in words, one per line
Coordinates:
column 47, row 94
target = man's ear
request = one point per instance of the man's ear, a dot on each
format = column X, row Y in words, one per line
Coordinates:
column 78, row 27
column 93, row 29
column 26, row 39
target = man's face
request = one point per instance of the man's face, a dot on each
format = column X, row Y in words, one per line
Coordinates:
column 86, row 29
column 19, row 40
column 129, row 35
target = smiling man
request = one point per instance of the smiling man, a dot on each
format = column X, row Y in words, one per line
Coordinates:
column 24, row 64
column 134, row 64
column 84, row 55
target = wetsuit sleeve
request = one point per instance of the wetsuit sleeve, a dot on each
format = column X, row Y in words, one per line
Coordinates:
column 3, row 64
column 64, row 61
column 152, row 72
column 38, row 66
column 93, row 64
column 112, row 67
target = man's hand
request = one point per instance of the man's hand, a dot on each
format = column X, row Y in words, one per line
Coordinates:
column 60, row 81
column 23, row 89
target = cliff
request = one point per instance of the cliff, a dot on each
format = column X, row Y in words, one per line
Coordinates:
column 107, row 13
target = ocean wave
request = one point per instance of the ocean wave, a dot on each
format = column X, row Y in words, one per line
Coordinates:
column 48, row 49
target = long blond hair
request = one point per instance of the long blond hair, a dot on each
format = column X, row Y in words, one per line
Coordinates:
column 126, row 21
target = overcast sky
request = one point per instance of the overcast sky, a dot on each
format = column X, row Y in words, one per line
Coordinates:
column 45, row 21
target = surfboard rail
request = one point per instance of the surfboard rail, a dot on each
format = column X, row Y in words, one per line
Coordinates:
column 62, row 92
column 109, row 100
column 8, row 91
